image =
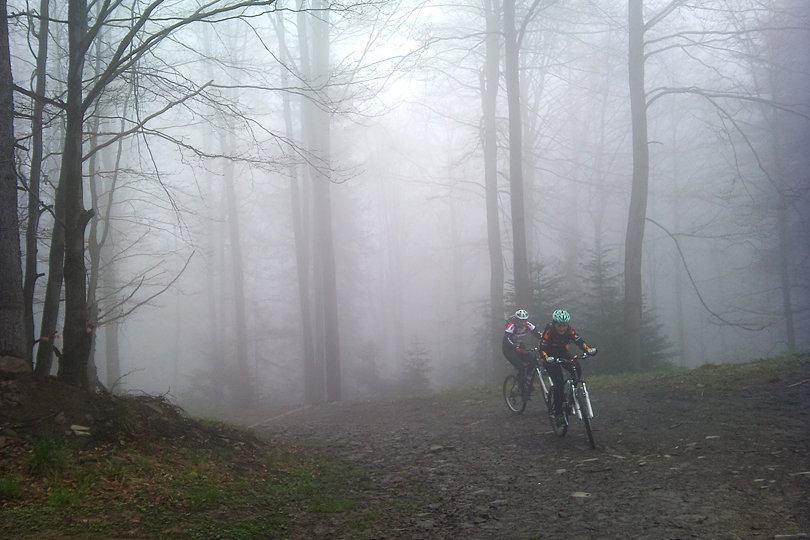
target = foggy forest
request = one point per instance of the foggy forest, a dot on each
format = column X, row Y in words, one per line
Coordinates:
column 241, row 202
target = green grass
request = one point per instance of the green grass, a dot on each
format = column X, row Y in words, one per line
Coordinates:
column 10, row 486
column 719, row 375
column 187, row 493
column 49, row 454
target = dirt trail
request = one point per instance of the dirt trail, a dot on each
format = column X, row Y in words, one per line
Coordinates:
column 674, row 459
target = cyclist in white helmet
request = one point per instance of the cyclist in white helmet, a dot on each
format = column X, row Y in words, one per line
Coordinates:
column 515, row 334
column 554, row 343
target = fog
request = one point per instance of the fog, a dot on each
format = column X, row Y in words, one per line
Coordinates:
column 728, row 108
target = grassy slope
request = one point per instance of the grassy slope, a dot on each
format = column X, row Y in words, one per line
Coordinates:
column 174, row 492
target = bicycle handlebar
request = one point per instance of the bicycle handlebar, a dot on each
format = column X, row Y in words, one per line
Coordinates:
column 556, row 360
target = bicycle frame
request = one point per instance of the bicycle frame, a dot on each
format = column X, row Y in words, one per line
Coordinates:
column 545, row 382
column 579, row 395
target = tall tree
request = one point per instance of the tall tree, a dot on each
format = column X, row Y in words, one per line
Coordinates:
column 12, row 310
column 520, row 267
column 243, row 386
column 78, row 333
column 787, row 131
column 138, row 40
column 314, row 376
column 490, row 82
column 34, row 204
column 299, row 216
column 324, row 252
column 638, row 196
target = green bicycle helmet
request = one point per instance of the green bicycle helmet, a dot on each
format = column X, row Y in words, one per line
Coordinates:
column 522, row 314
column 561, row 316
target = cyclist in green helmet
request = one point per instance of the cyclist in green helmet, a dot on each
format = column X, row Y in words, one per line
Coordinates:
column 554, row 342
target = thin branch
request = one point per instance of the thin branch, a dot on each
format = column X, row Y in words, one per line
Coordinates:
column 142, row 123
column 695, row 286
column 661, row 15
column 657, row 93
column 147, row 300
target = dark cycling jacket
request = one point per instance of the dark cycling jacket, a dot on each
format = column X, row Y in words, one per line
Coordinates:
column 555, row 344
column 514, row 336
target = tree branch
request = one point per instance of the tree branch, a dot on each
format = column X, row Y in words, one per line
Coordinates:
column 695, row 286
column 147, row 300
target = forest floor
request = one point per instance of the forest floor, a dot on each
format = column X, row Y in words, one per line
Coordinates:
column 715, row 452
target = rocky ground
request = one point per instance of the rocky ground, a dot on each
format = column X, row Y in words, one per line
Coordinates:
column 699, row 455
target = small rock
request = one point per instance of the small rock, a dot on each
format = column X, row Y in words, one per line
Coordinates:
column 80, row 431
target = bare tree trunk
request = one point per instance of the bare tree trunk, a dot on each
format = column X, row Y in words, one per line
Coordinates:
column 78, row 334
column 312, row 326
column 31, row 272
column 675, row 205
column 638, row 197
column 112, row 356
column 489, row 97
column 100, row 225
column 325, row 251
column 298, row 216
column 784, row 244
column 784, row 247
column 12, row 309
column 244, row 387
column 53, row 288
column 511, row 71
column 94, row 245
column 601, row 206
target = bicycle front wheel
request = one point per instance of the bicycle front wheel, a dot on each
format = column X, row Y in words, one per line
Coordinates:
column 559, row 429
column 586, row 415
column 512, row 395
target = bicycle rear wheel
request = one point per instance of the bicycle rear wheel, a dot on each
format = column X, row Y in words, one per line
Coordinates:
column 512, row 395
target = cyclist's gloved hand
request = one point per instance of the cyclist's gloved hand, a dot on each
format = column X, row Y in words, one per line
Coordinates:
column 550, row 359
column 592, row 351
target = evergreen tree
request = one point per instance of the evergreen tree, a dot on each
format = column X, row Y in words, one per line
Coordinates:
column 416, row 367
column 549, row 292
column 598, row 316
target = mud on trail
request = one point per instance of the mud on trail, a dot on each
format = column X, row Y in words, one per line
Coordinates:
column 712, row 453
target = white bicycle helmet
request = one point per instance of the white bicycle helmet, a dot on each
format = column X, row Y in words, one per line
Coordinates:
column 522, row 314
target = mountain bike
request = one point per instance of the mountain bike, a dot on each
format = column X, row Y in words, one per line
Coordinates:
column 516, row 396
column 576, row 400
